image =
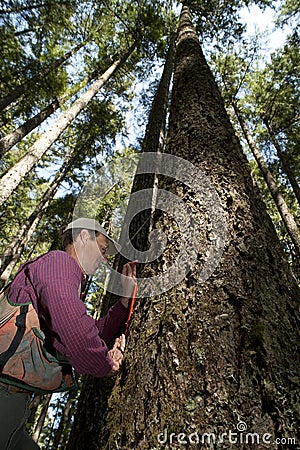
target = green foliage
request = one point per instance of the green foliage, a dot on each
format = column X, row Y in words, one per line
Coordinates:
column 220, row 21
column 268, row 95
column 275, row 92
column 276, row 88
column 289, row 13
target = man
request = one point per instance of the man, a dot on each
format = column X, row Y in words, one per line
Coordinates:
column 51, row 285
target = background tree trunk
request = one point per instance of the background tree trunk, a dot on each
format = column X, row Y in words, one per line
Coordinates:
column 283, row 159
column 20, row 90
column 57, row 440
column 14, row 250
column 9, row 140
column 154, row 141
column 34, row 404
column 279, row 201
column 15, row 175
column 223, row 354
column 41, row 418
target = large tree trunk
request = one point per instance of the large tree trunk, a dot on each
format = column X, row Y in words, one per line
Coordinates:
column 15, row 175
column 139, row 227
column 279, row 201
column 216, row 355
column 20, row 90
column 93, row 406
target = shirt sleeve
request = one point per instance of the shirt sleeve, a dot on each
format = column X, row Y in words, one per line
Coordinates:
column 75, row 334
column 110, row 324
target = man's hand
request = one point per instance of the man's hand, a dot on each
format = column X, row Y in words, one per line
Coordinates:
column 128, row 279
column 117, row 354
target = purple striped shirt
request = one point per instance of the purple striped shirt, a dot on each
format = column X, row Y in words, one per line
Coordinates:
column 52, row 283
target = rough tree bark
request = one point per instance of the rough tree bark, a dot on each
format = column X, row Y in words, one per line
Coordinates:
column 13, row 177
column 279, row 201
column 154, row 141
column 222, row 355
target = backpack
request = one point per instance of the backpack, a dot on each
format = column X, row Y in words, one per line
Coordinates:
column 24, row 361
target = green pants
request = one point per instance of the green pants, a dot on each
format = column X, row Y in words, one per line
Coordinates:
column 14, row 412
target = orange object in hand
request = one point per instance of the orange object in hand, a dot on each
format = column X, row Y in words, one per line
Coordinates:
column 130, row 309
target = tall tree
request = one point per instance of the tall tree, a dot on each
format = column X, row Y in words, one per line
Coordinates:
column 15, row 248
column 221, row 355
column 82, row 142
column 15, row 175
column 41, row 419
column 268, row 96
column 96, row 392
column 280, row 203
column 21, row 89
column 14, row 137
column 58, row 441
column 284, row 160
column 275, row 94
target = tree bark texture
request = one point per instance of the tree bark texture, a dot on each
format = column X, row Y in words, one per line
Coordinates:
column 154, row 141
column 15, row 175
column 220, row 355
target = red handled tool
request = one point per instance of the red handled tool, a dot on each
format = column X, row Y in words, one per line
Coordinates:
column 130, row 309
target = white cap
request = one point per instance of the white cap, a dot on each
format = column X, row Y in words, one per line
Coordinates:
column 91, row 224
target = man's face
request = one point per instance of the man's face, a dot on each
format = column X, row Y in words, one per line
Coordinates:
column 93, row 252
